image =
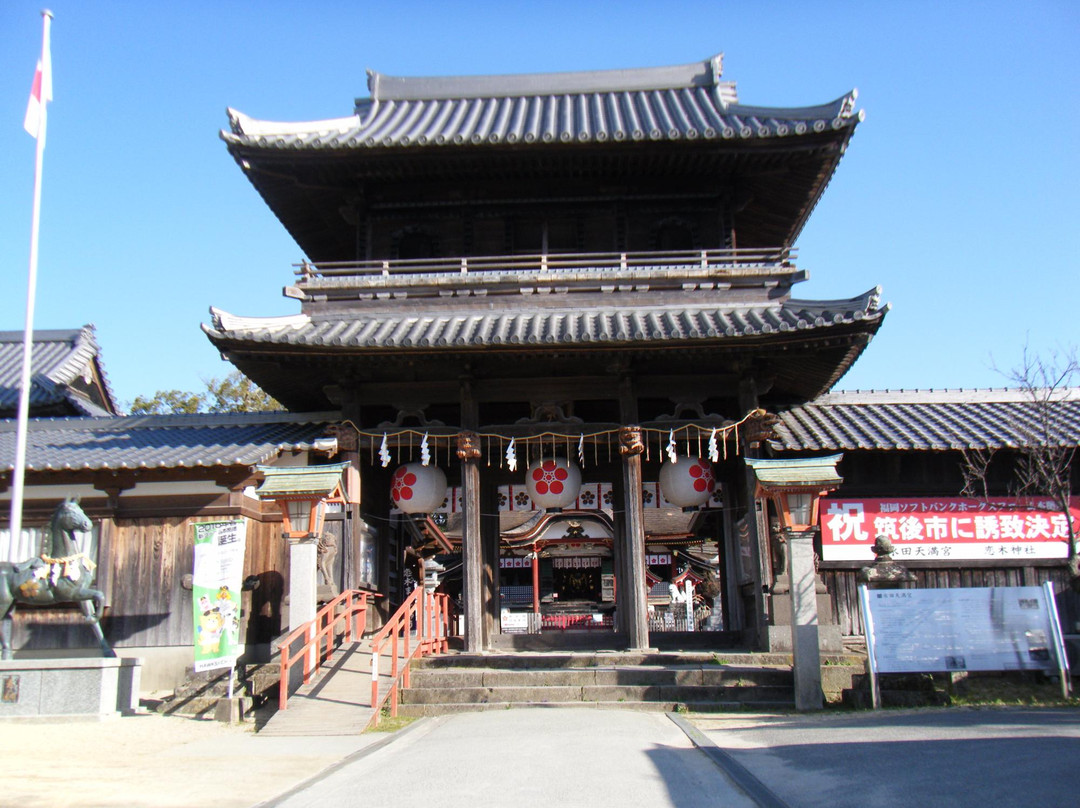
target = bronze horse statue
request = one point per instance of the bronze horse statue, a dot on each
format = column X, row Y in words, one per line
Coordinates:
column 61, row 574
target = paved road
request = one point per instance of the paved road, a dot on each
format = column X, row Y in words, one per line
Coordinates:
column 959, row 758
column 542, row 757
column 553, row 758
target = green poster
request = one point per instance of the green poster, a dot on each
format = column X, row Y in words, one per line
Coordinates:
column 216, row 580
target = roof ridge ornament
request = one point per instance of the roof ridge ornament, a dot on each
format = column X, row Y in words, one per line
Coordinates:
column 702, row 74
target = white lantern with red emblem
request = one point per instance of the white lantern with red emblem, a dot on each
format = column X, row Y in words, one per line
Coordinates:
column 688, row 482
column 416, row 488
column 553, row 482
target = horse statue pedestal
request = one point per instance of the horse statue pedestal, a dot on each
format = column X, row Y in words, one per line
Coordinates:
column 101, row 687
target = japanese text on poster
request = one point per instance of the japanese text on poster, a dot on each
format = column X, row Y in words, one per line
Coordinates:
column 216, row 581
column 1005, row 528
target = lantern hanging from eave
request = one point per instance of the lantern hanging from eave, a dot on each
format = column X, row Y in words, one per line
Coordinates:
column 688, row 482
column 553, row 482
column 416, row 488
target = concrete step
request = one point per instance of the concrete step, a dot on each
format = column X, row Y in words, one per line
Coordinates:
column 422, row 710
column 549, row 660
column 691, row 676
column 631, row 680
column 541, row 694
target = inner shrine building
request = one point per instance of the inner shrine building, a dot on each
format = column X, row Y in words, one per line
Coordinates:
column 555, row 313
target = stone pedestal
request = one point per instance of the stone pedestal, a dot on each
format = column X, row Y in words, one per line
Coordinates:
column 93, row 687
column 303, row 587
column 805, row 647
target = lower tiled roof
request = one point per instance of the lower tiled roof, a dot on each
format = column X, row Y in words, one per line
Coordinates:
column 160, row 441
column 637, row 323
column 926, row 420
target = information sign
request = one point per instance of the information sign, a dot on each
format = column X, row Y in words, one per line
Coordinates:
column 949, row 630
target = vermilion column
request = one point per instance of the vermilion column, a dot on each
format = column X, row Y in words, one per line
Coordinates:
column 536, row 580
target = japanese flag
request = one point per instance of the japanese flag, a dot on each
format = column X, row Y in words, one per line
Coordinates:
column 42, row 92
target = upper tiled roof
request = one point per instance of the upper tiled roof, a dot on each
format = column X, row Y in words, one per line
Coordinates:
column 627, row 321
column 160, row 441
column 686, row 102
column 923, row 419
column 66, row 373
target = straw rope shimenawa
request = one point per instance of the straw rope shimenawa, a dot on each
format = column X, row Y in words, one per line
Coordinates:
column 406, row 440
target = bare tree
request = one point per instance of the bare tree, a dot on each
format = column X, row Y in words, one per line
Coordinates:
column 1048, row 434
column 975, row 468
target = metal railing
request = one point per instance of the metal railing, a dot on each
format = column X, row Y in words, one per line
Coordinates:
column 777, row 259
column 422, row 625
column 344, row 615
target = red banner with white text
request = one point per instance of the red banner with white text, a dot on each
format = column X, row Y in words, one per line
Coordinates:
column 998, row 529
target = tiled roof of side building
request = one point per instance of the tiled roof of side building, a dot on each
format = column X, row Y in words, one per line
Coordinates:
column 685, row 102
column 58, row 358
column 925, row 420
column 161, row 441
column 635, row 321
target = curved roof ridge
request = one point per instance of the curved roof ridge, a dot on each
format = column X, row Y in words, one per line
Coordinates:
column 842, row 107
column 224, row 321
column 242, row 124
column 428, row 88
column 869, row 300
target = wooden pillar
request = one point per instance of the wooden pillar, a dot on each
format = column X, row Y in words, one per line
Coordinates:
column 468, row 451
column 489, row 563
column 536, row 579
column 634, row 601
column 757, row 522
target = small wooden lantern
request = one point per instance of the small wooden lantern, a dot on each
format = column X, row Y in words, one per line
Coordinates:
column 796, row 486
column 302, row 493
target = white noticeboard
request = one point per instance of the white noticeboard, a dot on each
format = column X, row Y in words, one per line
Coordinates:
column 949, row 630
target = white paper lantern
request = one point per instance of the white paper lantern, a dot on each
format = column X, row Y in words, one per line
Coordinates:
column 688, row 482
column 553, row 482
column 416, row 488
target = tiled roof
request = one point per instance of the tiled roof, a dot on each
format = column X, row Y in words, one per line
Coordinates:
column 160, row 441
column 58, row 359
column 796, row 471
column 686, row 102
column 295, row 481
column 635, row 320
column 923, row 419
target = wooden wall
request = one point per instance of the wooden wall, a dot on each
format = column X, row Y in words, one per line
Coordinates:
column 142, row 564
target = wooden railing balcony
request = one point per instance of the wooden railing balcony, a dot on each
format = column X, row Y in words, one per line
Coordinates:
column 557, row 272
column 774, row 260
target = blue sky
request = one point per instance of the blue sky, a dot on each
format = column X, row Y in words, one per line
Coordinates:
column 958, row 194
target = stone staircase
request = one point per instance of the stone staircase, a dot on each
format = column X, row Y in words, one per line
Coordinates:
column 200, row 692
column 645, row 681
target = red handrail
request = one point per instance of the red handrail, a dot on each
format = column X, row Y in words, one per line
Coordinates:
column 432, row 615
column 351, row 607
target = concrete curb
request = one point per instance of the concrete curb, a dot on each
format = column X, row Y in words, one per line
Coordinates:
column 739, row 774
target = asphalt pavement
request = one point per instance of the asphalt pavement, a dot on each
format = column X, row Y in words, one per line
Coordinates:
column 555, row 758
column 558, row 757
column 887, row 759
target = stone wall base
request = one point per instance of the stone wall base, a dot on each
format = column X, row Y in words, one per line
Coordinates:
column 88, row 687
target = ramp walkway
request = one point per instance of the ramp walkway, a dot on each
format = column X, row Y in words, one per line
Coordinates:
column 338, row 700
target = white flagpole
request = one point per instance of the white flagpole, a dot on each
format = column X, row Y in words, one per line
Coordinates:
column 43, row 87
